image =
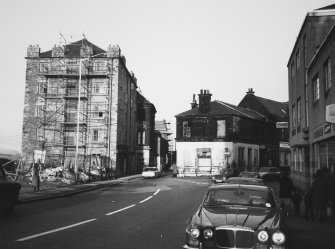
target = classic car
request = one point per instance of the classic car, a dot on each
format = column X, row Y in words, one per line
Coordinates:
column 9, row 193
column 150, row 172
column 246, row 180
column 251, row 174
column 269, row 173
column 225, row 174
column 237, row 216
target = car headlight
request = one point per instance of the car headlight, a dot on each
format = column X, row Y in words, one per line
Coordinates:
column 195, row 232
column 278, row 238
column 208, row 233
column 263, row 236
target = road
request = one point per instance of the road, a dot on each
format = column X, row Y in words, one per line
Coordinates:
column 140, row 214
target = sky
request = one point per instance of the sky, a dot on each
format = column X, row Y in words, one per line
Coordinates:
column 174, row 47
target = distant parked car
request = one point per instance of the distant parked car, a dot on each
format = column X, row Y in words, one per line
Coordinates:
column 225, row 175
column 237, row 216
column 151, row 172
column 249, row 174
column 269, row 173
column 9, row 193
column 246, row 180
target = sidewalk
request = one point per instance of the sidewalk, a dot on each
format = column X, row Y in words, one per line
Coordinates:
column 311, row 234
column 50, row 191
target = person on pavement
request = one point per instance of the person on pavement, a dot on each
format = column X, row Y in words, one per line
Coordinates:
column 35, row 176
column 285, row 192
column 320, row 193
column 309, row 209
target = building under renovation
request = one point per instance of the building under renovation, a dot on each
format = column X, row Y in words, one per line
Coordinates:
column 80, row 108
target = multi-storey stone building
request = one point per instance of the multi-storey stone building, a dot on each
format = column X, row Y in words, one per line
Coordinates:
column 215, row 135
column 80, row 107
column 306, row 110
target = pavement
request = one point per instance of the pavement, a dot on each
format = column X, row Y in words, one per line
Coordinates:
column 309, row 234
column 57, row 190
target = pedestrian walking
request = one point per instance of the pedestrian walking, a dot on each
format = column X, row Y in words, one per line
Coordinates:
column 285, row 192
column 320, row 194
column 35, row 176
column 296, row 199
column 309, row 209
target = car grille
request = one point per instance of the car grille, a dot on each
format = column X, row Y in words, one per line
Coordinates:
column 234, row 237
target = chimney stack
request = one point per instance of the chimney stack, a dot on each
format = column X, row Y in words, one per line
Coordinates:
column 194, row 103
column 250, row 91
column 204, row 101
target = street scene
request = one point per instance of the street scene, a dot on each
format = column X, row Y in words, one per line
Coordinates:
column 167, row 124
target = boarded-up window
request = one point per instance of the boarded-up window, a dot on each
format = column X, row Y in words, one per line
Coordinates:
column 186, row 129
column 221, row 128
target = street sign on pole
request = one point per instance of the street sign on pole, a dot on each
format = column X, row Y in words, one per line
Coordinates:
column 281, row 125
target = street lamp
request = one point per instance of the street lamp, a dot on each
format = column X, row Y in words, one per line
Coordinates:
column 78, row 109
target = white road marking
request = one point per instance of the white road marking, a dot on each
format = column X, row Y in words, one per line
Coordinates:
column 146, row 199
column 157, row 192
column 55, row 230
column 121, row 209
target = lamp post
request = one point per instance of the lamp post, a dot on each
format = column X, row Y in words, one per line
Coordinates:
column 78, row 110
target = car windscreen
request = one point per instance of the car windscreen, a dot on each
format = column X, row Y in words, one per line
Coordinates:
column 240, row 196
column 149, row 169
column 248, row 174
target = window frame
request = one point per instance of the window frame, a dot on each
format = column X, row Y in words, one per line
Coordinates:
column 316, row 88
column 327, row 74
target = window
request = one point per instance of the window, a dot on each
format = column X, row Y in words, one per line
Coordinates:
column 221, row 128
column 97, row 113
column 40, row 110
column 316, row 88
column 299, row 111
column 43, row 67
column 100, row 66
column 294, row 120
column 327, row 74
column 236, row 124
column 40, row 133
column 300, row 159
column 298, row 60
column 98, row 88
column 42, row 87
column 95, row 135
column 186, row 129
column 141, row 137
column 292, row 69
column 295, row 158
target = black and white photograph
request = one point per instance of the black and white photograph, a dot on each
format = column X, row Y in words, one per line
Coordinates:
column 167, row 124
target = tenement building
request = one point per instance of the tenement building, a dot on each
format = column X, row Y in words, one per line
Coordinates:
column 311, row 93
column 80, row 108
column 214, row 135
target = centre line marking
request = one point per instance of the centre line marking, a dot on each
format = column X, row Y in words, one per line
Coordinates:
column 157, row 191
column 55, row 230
column 121, row 209
column 146, row 199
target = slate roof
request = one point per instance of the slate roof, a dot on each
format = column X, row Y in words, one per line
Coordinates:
column 73, row 49
column 221, row 108
column 278, row 109
column 329, row 7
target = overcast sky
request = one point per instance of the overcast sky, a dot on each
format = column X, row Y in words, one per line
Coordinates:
column 174, row 47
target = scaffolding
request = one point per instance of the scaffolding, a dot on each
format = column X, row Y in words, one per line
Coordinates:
column 58, row 86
